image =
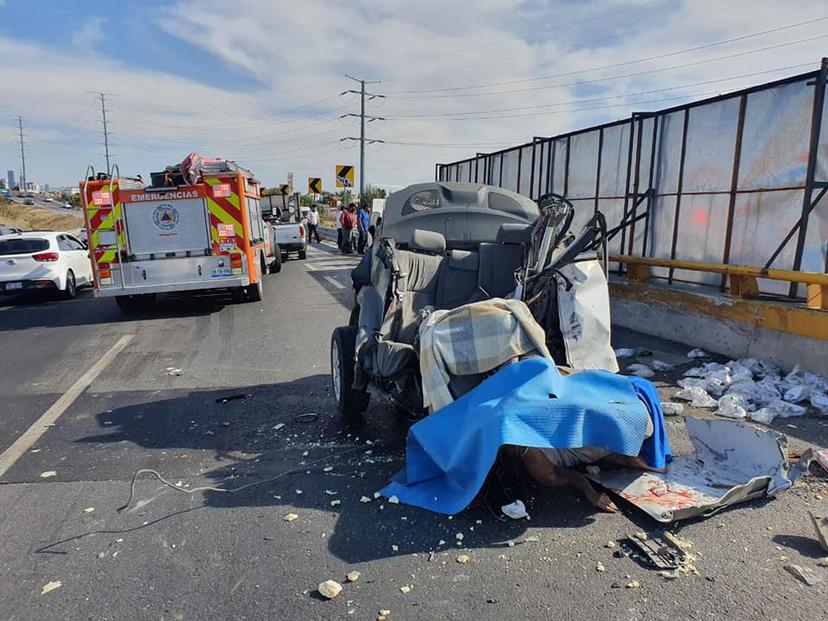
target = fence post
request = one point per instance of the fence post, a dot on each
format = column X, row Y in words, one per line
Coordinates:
column 678, row 190
column 734, row 184
column 816, row 122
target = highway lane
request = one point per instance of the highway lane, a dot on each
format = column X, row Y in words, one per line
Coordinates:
column 161, row 404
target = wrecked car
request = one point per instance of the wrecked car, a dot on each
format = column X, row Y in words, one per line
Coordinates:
column 440, row 253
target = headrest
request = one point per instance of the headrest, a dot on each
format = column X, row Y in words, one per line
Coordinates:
column 428, row 241
column 463, row 260
column 514, row 233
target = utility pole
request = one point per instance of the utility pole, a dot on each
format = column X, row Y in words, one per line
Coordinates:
column 362, row 116
column 22, row 185
column 102, row 95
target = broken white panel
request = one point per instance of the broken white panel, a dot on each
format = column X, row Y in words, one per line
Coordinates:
column 733, row 462
column 584, row 312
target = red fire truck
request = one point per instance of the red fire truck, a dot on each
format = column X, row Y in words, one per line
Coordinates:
column 182, row 232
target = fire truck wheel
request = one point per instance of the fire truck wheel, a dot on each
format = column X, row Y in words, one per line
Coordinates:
column 132, row 304
column 255, row 291
column 349, row 402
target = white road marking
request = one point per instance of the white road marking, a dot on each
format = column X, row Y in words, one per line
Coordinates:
column 50, row 416
column 331, row 280
column 331, row 267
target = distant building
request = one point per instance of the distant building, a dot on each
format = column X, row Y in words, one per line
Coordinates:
column 10, row 178
column 4, row 184
column 46, row 187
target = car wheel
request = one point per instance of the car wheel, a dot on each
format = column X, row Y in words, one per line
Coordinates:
column 70, row 290
column 134, row 304
column 349, row 402
column 303, row 253
column 276, row 265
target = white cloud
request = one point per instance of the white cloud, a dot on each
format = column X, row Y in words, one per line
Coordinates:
column 300, row 55
column 90, row 34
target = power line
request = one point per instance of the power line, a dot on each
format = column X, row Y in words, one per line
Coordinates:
column 605, row 15
column 614, row 65
column 469, row 115
column 627, row 75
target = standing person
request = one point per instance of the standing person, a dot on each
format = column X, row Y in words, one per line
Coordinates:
column 363, row 222
column 313, row 223
column 338, row 217
column 348, row 225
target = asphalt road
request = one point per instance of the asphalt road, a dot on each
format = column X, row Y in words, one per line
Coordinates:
column 54, row 207
column 160, row 404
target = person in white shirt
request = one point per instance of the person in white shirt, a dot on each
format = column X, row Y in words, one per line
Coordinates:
column 339, row 227
column 313, row 222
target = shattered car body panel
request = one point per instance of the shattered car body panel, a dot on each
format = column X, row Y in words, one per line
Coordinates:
column 733, row 462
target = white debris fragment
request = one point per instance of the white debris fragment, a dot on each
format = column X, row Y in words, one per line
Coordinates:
column 515, row 510
column 658, row 365
column 395, row 548
column 462, row 559
column 336, row 503
column 625, row 352
column 365, row 499
column 290, row 517
column 48, row 474
column 459, row 536
column 671, row 408
column 299, row 492
column 697, row 396
column 600, row 567
column 353, row 576
column 394, row 500
column 50, row 586
column 331, row 492
column 376, row 495
column 805, row 574
column 329, row 589
column 442, row 542
column 89, row 509
column 697, row 353
column 787, row 410
column 405, row 589
column 640, row 370
column 278, row 426
column 327, row 469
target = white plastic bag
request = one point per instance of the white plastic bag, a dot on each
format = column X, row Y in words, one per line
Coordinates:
column 784, row 409
column 625, row 352
column 697, row 396
column 732, row 406
column 796, row 394
column 763, row 415
column 671, row 408
column 819, row 400
column 658, row 365
column 697, row 353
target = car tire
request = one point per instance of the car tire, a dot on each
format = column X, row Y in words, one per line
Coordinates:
column 303, row 253
column 349, row 402
column 276, row 264
column 70, row 289
column 135, row 304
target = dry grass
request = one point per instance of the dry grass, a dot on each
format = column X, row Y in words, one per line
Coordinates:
column 27, row 217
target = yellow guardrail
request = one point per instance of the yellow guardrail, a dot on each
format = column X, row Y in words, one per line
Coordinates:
column 743, row 278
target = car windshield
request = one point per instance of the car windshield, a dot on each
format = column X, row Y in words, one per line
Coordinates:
column 22, row 246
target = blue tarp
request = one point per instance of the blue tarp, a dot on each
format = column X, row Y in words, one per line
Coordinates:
column 656, row 448
column 450, row 453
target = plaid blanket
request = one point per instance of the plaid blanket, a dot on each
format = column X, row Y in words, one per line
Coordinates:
column 471, row 339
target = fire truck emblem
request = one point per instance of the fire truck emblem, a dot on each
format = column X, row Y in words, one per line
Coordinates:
column 165, row 217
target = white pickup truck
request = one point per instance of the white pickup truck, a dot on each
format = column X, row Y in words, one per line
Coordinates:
column 290, row 234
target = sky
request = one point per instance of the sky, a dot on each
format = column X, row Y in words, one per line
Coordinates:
column 263, row 82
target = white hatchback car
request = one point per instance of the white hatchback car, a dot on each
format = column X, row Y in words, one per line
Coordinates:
column 43, row 260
